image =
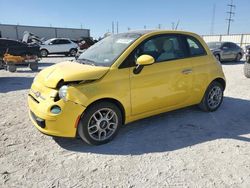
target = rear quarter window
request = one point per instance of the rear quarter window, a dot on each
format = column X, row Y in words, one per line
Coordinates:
column 195, row 47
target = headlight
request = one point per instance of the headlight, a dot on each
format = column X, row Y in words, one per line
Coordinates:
column 63, row 92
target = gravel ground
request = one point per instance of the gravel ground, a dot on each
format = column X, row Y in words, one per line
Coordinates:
column 184, row 148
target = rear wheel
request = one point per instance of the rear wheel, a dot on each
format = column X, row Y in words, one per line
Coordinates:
column 217, row 56
column 73, row 52
column 238, row 57
column 213, row 97
column 100, row 123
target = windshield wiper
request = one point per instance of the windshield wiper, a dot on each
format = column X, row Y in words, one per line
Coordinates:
column 86, row 61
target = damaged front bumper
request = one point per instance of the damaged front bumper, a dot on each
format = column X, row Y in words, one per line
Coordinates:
column 64, row 123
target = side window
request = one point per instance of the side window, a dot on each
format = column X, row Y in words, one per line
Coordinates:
column 226, row 45
column 195, row 47
column 162, row 48
column 63, row 41
column 233, row 46
column 55, row 42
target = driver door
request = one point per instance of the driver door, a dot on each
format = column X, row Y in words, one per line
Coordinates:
column 167, row 83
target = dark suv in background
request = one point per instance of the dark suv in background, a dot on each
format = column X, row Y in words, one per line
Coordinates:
column 226, row 51
column 247, row 64
column 247, row 52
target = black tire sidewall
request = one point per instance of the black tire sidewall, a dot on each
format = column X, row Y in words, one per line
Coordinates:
column 72, row 50
column 83, row 124
column 12, row 68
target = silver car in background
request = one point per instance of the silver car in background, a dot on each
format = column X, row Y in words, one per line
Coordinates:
column 226, row 51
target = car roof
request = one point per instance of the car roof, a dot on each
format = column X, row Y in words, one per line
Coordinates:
column 159, row 31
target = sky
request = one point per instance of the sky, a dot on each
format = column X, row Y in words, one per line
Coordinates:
column 97, row 15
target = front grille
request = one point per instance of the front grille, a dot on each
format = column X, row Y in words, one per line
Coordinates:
column 40, row 122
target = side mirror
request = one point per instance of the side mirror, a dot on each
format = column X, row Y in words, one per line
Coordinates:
column 142, row 61
column 224, row 48
column 145, row 60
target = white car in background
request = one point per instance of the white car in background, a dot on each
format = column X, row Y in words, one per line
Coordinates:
column 58, row 46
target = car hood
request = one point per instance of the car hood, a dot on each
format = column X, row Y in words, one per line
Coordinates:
column 69, row 71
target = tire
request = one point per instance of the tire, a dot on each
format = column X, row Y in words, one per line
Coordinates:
column 44, row 53
column 247, row 58
column 11, row 68
column 247, row 69
column 215, row 89
column 238, row 57
column 93, row 125
column 217, row 56
column 33, row 66
column 72, row 52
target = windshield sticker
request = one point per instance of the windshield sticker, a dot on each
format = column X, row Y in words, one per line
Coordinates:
column 124, row 41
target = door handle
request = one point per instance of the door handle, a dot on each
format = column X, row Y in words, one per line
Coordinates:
column 187, row 71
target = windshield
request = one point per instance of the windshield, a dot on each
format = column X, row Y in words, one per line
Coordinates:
column 214, row 45
column 106, row 51
column 47, row 41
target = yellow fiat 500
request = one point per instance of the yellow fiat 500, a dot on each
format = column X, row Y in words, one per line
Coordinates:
column 123, row 78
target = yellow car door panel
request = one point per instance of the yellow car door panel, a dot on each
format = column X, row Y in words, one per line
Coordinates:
column 160, row 85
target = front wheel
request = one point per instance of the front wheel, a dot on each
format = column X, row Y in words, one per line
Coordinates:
column 44, row 53
column 100, row 123
column 213, row 97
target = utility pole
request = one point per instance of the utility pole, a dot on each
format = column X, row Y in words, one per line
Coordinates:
column 175, row 26
column 113, row 27
column 117, row 27
column 212, row 21
column 230, row 13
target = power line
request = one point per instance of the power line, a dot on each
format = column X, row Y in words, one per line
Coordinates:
column 230, row 13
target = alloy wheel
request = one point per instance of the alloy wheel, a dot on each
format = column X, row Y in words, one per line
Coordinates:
column 102, row 124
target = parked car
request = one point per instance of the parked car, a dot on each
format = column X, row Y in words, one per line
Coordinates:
column 18, row 48
column 247, row 68
column 123, row 78
column 58, row 46
column 84, row 44
column 247, row 52
column 226, row 51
